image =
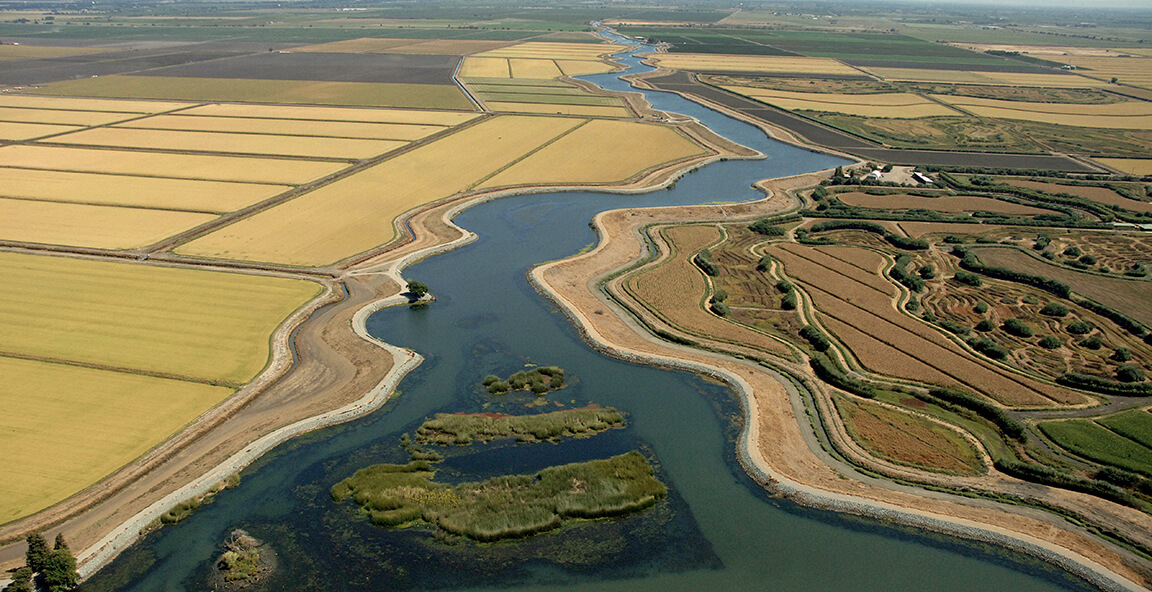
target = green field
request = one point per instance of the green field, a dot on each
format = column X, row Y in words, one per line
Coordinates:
column 1085, row 438
column 203, row 325
column 1135, row 424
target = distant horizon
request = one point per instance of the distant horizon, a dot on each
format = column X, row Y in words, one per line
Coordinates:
column 1058, row 4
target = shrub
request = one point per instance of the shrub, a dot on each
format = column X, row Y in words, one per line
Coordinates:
column 720, row 295
column 1093, row 342
column 1118, row 477
column 1050, row 342
column 1016, row 327
column 817, row 338
column 721, row 309
column 1054, row 309
column 989, row 348
column 1088, row 260
column 1121, row 355
column 985, row 326
column 1012, row 428
column 1073, row 251
column 953, row 327
column 1079, row 328
column 981, row 307
column 927, row 271
column 766, row 227
column 788, row 302
column 1130, row 373
column 491, row 378
column 704, row 261
column 953, row 240
column 1105, row 385
column 765, row 261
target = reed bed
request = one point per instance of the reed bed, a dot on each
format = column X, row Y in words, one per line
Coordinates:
column 462, row 429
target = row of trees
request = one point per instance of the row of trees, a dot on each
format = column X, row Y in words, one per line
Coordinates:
column 51, row 569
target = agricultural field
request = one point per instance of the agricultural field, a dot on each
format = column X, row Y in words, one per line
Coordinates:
column 1104, row 195
column 308, row 92
column 752, row 299
column 762, row 64
column 61, row 117
column 943, row 203
column 1129, row 296
column 349, row 114
column 94, row 347
column 350, row 216
column 675, row 289
column 97, row 227
column 902, row 105
column 1132, row 166
column 599, row 151
column 39, row 52
column 259, row 144
column 855, row 304
column 1134, row 70
column 1130, row 115
column 907, row 439
column 287, row 127
column 159, row 164
column 15, row 131
column 1095, row 442
column 406, row 46
column 978, row 77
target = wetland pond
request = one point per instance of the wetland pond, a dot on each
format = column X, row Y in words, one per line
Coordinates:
column 715, row 529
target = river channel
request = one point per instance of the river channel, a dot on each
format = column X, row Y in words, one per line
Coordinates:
column 716, row 531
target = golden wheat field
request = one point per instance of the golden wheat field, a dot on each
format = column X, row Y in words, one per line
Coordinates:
column 81, row 104
column 751, row 63
column 98, row 227
column 261, row 144
column 353, row 114
column 480, row 67
column 600, row 151
column 145, row 192
column 357, row 213
column 557, row 109
column 1122, row 115
column 903, row 105
column 60, row 116
column 362, row 45
column 1136, row 71
column 287, row 127
column 534, row 68
column 116, row 416
column 555, row 50
column 193, row 166
column 206, row 325
column 985, row 78
column 583, row 67
column 15, row 131
column 1132, row 166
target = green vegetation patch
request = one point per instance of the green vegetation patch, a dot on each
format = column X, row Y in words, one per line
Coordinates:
column 461, row 429
column 1094, row 442
column 538, row 380
column 508, row 506
column 1135, row 424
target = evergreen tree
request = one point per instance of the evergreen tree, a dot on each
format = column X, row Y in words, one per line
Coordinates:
column 60, row 543
column 21, row 581
column 38, row 552
column 60, row 571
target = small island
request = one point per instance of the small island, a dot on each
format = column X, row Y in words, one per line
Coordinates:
column 244, row 562
column 462, row 428
column 504, row 507
column 540, row 381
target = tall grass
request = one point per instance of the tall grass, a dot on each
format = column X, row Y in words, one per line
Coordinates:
column 447, row 429
column 504, row 507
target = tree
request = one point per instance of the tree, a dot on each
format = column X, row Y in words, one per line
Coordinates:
column 38, row 552
column 21, row 581
column 417, row 289
column 60, row 543
column 59, row 572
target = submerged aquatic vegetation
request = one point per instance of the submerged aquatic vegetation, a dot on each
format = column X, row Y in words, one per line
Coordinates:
column 507, row 506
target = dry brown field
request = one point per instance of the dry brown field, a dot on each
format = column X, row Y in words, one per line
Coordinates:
column 143, row 192
column 353, row 114
column 555, row 50
column 919, row 229
column 406, row 46
column 1109, row 116
column 260, row 144
column 14, row 131
column 583, row 67
column 1098, row 194
column 98, row 227
column 1132, row 166
column 479, row 67
column 600, row 151
column 352, row 215
column 287, row 127
column 1136, row 71
column 556, row 109
column 193, row 166
column 990, row 78
column 40, row 52
column 753, row 297
column 751, row 63
column 898, row 105
column 1131, row 297
column 906, row 439
column 361, row 45
column 49, row 405
column 859, row 309
column 534, row 68
column 60, row 116
column 1119, row 251
column 675, row 289
column 950, row 204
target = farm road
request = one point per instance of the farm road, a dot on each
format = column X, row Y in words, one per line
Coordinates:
column 821, row 135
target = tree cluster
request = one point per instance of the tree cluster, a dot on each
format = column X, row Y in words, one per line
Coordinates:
column 48, row 569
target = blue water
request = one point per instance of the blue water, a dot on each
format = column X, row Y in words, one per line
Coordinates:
column 717, row 530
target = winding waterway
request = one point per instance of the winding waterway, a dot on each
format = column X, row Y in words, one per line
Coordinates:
column 716, row 531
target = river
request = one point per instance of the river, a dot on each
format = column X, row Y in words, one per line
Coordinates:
column 717, row 530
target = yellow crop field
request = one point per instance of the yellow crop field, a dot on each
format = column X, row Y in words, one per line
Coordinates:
column 901, row 105
column 290, row 127
column 60, row 117
column 1098, row 116
column 751, row 63
column 991, row 78
column 37, row 52
column 356, row 214
column 474, row 67
column 1136, row 71
column 362, row 45
column 98, row 227
column 191, row 166
column 28, row 131
column 72, row 104
column 115, row 416
column 144, row 192
column 232, row 143
column 354, row 114
column 600, row 151
column 533, row 68
column 311, row 92
column 586, row 110
column 583, row 67
column 445, row 47
column 555, row 50
column 206, row 325
column 1132, row 166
